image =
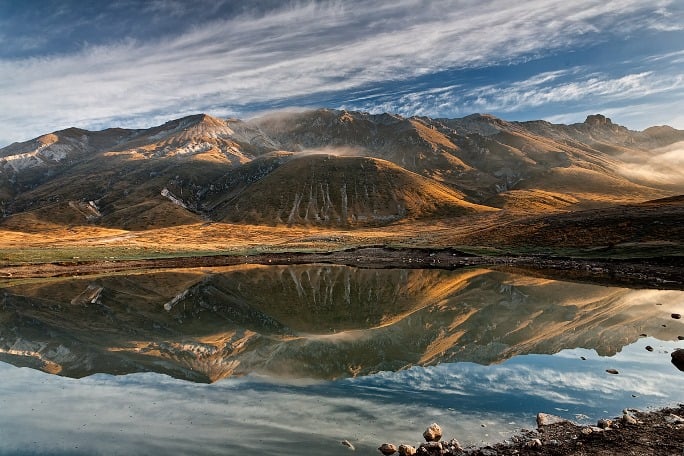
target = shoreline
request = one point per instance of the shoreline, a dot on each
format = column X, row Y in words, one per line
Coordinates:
column 659, row 273
column 658, row 432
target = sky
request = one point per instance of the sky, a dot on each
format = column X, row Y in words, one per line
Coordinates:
column 136, row 64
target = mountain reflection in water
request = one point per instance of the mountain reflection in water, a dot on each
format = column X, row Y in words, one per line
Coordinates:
column 313, row 321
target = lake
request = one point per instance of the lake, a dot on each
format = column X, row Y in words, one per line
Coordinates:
column 294, row 359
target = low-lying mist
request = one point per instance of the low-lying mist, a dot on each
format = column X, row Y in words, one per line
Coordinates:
column 663, row 167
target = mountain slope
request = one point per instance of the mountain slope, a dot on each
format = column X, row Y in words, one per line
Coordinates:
column 379, row 169
column 343, row 191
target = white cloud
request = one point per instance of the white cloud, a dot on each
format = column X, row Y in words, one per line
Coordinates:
column 297, row 51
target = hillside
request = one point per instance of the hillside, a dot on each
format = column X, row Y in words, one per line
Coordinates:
column 330, row 168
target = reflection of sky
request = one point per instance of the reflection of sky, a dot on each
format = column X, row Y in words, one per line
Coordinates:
column 155, row 414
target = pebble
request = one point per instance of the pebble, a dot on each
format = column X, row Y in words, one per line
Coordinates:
column 348, row 444
column 544, row 419
column 431, row 448
column 680, row 337
column 387, row 449
column 629, row 419
column 674, row 419
column 612, row 371
column 433, row 433
column 534, row 443
column 604, row 423
column 406, row 450
column 649, row 348
column 676, row 316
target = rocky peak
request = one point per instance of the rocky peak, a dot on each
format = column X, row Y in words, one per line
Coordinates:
column 597, row 120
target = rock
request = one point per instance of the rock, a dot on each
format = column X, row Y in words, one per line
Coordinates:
column 534, row 443
column 643, row 335
column 674, row 419
column 488, row 452
column 454, row 446
column 629, row 419
column 432, row 448
column 678, row 358
column 406, row 450
column 544, row 419
column 680, row 337
column 649, row 348
column 587, row 430
column 604, row 423
column 676, row 316
column 583, row 358
column 433, row 433
column 612, row 371
column 387, row 449
column 348, row 444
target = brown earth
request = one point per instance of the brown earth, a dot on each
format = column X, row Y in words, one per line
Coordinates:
column 655, row 433
column 650, row 273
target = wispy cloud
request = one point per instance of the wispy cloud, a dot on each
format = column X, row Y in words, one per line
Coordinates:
column 300, row 50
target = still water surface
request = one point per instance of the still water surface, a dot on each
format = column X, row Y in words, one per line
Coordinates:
column 294, row 359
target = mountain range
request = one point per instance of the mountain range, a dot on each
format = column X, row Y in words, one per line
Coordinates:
column 331, row 168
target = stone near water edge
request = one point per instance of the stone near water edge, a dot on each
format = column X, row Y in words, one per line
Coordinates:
column 348, row 444
column 387, row 449
column 605, row 423
column 431, row 448
column 534, row 443
column 680, row 337
column 674, row 419
column 649, row 348
column 629, row 419
column 678, row 358
column 545, row 419
column 612, row 371
column 454, row 446
column 406, row 450
column 676, row 316
column 433, row 433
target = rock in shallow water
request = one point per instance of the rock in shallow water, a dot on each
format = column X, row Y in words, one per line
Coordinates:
column 612, row 371
column 678, row 358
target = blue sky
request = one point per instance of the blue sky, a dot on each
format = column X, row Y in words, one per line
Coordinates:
column 140, row 63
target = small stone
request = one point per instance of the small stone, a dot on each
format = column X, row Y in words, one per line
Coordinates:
column 534, row 443
column 612, row 371
column 433, row 433
column 488, row 452
column 387, row 449
column 643, row 335
column 680, row 337
column 649, row 348
column 348, row 444
column 583, row 358
column 678, row 358
column 674, row 419
column 432, row 448
column 604, row 423
column 587, row 430
column 544, row 419
column 554, row 442
column 454, row 445
column 629, row 419
column 406, row 450
column 676, row 316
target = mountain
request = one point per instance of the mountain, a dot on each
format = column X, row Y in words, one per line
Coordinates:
column 330, row 168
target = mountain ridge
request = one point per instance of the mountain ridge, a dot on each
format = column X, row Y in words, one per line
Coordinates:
column 117, row 177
